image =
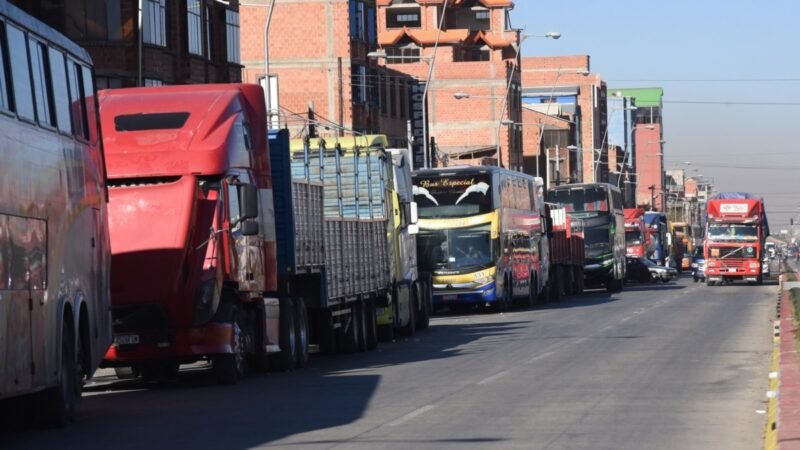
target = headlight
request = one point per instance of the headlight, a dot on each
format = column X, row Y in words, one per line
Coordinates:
column 608, row 262
column 754, row 265
column 711, row 264
column 694, row 265
column 483, row 280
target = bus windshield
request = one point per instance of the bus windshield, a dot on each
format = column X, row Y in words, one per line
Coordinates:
column 597, row 241
column 586, row 200
column 453, row 195
column 732, row 232
column 455, row 248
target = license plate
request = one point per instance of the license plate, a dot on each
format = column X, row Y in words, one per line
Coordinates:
column 731, row 270
column 126, row 339
column 449, row 297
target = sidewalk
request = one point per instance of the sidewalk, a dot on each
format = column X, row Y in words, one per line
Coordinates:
column 783, row 425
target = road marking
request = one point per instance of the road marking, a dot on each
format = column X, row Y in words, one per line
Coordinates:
column 417, row 412
column 494, row 377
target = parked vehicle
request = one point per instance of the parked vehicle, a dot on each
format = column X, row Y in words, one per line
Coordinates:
column 637, row 270
column 698, row 265
column 660, row 237
column 482, row 235
column 637, row 239
column 736, row 229
column 250, row 256
column 54, row 250
column 662, row 273
column 567, row 254
column 599, row 207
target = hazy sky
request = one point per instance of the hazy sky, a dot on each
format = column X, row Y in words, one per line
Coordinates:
column 736, row 51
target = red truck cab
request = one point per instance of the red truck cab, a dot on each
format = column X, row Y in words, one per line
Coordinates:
column 192, row 229
column 637, row 239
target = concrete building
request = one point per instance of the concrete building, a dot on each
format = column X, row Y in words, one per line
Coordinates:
column 318, row 58
column 649, row 143
column 475, row 81
column 181, row 41
column 563, row 86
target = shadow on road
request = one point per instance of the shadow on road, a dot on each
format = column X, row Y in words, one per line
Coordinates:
column 194, row 412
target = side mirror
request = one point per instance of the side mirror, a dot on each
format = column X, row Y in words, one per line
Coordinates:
column 248, row 202
column 413, row 216
column 249, row 228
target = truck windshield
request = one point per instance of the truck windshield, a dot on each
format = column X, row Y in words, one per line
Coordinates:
column 453, row 195
column 456, row 248
column 732, row 232
column 633, row 237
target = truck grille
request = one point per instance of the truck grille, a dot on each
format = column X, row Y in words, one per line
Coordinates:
column 150, row 322
column 731, row 263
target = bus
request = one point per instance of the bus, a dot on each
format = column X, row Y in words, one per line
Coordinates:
column 481, row 236
column 55, row 324
column 599, row 206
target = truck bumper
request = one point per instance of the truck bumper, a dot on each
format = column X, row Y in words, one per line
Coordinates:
column 187, row 345
column 486, row 294
column 595, row 274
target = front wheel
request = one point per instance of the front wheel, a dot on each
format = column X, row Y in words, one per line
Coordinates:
column 286, row 359
column 61, row 402
column 229, row 367
column 301, row 332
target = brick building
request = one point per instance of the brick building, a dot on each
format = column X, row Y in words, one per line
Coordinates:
column 563, row 86
column 319, row 52
column 475, row 79
column 648, row 139
column 182, row 41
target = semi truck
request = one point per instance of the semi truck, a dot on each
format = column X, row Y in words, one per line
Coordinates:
column 567, row 254
column 221, row 252
column 736, row 230
column 637, row 239
column 660, row 237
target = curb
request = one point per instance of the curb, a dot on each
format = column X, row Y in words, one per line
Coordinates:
column 786, row 429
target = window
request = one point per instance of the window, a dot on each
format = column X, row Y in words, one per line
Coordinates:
column 154, row 22
column 406, row 54
column 403, row 17
column 77, row 100
column 20, row 74
column 151, row 121
column 357, row 20
column 470, row 54
column 4, row 94
column 372, row 29
column 41, row 85
column 150, row 82
column 232, row 34
column 58, row 75
column 358, row 81
column 194, row 29
column 209, row 51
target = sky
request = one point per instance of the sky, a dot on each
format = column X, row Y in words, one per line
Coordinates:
column 730, row 72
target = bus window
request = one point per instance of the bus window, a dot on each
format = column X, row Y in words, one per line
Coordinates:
column 41, row 86
column 77, row 100
column 21, row 76
column 4, row 103
column 89, row 102
column 58, row 74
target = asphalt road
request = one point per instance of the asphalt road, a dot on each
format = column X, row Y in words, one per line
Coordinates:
column 663, row 366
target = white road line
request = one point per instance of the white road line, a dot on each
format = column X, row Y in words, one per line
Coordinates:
column 494, row 377
column 415, row 413
column 542, row 356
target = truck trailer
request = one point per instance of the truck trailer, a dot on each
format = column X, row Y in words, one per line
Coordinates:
column 567, row 254
column 736, row 229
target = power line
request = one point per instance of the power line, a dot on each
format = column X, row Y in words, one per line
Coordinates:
column 713, row 80
column 712, row 102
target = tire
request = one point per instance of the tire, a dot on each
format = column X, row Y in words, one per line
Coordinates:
column 361, row 317
column 760, row 280
column 709, row 283
column 60, row 403
column 532, row 294
column 425, row 306
column 301, row 333
column 127, row 373
column 386, row 333
column 230, row 367
column 371, row 324
column 286, row 359
column 556, row 290
column 348, row 336
column 410, row 329
column 326, row 333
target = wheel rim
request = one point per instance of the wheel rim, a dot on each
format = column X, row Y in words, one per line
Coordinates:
column 239, row 350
